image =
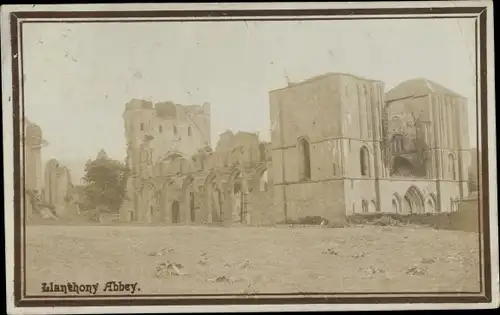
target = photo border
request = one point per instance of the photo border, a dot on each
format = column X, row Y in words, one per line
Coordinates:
column 18, row 18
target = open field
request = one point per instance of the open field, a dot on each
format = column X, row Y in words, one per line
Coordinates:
column 255, row 259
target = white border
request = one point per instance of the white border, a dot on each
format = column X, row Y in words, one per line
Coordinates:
column 8, row 157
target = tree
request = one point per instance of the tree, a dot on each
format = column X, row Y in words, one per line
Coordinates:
column 105, row 184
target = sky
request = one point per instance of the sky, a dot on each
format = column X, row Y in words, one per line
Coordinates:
column 78, row 76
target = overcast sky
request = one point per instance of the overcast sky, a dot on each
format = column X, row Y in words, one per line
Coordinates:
column 78, row 77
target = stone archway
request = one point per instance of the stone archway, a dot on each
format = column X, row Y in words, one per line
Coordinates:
column 238, row 200
column 213, row 199
column 413, row 201
column 189, row 198
column 176, row 212
column 238, row 194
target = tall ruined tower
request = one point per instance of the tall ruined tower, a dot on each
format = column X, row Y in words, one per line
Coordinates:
column 33, row 143
column 153, row 132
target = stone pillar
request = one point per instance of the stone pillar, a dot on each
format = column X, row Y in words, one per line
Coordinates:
column 246, row 199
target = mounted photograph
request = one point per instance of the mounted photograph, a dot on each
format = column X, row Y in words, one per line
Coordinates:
column 257, row 155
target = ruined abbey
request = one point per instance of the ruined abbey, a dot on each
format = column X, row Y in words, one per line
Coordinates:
column 339, row 146
column 49, row 190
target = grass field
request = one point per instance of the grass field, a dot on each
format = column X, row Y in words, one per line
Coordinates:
column 255, row 259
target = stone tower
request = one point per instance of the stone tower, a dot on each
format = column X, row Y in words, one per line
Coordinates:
column 326, row 140
column 33, row 142
column 153, row 132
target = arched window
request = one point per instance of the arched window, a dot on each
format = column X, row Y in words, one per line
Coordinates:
column 452, row 167
column 304, row 160
column 364, row 160
column 160, row 128
column 189, row 131
column 142, row 126
column 175, row 130
column 397, row 143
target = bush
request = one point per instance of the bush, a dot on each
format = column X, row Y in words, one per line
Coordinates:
column 435, row 220
column 309, row 220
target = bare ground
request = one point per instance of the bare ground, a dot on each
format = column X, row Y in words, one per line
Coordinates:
column 255, row 259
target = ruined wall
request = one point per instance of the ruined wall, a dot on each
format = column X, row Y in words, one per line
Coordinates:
column 58, row 187
column 242, row 148
column 261, row 208
column 33, row 143
column 312, row 110
column 439, row 130
column 362, row 101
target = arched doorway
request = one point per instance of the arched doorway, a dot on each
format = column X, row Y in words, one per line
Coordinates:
column 395, row 208
column 238, row 205
column 216, row 203
column 213, row 197
column 413, row 201
column 364, row 206
column 175, row 212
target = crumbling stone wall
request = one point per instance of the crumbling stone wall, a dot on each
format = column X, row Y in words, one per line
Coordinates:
column 57, row 187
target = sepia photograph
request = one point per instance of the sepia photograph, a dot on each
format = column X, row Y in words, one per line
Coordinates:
column 222, row 154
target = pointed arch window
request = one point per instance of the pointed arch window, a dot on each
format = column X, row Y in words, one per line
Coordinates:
column 364, row 161
column 397, row 143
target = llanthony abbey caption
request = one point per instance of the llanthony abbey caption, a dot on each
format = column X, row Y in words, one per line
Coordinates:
column 73, row 287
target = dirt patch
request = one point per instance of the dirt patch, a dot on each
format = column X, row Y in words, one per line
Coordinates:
column 245, row 260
